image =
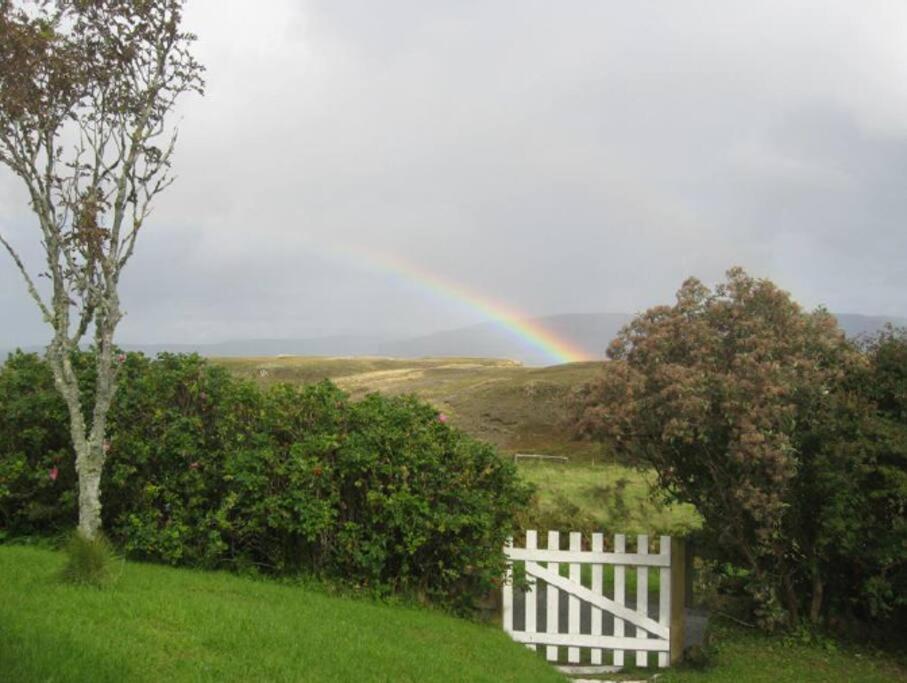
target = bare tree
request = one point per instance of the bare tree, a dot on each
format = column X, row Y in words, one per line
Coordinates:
column 86, row 88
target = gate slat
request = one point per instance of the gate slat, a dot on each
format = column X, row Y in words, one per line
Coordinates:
column 598, row 545
column 507, row 595
column 620, row 596
column 629, row 615
column 585, row 640
column 568, row 556
column 554, row 543
column 576, row 545
column 531, row 543
column 664, row 594
column 642, row 594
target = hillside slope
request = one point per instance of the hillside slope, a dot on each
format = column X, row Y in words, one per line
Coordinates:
column 590, row 333
column 517, row 408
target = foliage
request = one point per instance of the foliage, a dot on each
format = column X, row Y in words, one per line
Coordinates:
column 871, row 494
column 89, row 561
column 206, row 470
column 761, row 416
column 37, row 481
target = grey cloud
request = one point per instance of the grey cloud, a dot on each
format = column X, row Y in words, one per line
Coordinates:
column 556, row 157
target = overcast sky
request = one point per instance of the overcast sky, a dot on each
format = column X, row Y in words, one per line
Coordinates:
column 555, row 157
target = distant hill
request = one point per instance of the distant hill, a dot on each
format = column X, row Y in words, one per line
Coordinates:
column 856, row 325
column 589, row 332
column 337, row 345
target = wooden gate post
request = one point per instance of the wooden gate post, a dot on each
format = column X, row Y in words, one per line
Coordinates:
column 678, row 598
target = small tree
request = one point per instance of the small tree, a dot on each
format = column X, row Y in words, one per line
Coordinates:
column 85, row 91
column 737, row 399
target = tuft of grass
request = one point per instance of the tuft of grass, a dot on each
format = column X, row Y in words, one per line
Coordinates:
column 89, row 561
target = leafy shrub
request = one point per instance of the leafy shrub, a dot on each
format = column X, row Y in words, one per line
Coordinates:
column 790, row 442
column 37, row 475
column 206, row 470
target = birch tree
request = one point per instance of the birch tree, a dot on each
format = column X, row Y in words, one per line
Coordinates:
column 87, row 90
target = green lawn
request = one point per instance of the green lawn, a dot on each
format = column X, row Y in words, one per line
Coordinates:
column 740, row 655
column 744, row 656
column 163, row 624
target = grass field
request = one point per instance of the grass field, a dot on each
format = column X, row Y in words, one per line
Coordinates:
column 163, row 624
column 745, row 656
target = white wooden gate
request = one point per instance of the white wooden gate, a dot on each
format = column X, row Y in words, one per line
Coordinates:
column 614, row 623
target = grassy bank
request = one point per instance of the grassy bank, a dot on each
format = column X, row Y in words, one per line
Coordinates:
column 158, row 623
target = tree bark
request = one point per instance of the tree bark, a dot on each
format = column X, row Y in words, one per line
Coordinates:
column 790, row 596
column 88, row 467
column 815, row 607
column 89, row 446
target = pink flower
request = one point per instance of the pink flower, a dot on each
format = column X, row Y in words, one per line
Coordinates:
column 54, row 473
column 442, row 418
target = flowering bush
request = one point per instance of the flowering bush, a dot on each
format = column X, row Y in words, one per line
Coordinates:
column 790, row 442
column 207, row 470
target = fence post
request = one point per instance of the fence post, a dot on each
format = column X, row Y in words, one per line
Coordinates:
column 678, row 598
column 507, row 593
column 690, row 550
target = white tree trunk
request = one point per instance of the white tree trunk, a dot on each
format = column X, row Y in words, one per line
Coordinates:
column 89, row 447
column 88, row 467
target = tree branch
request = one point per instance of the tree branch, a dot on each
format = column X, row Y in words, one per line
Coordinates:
column 28, row 281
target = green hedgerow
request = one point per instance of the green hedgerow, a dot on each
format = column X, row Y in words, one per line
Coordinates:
column 210, row 471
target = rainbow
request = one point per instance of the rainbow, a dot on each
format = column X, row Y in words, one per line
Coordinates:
column 558, row 349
